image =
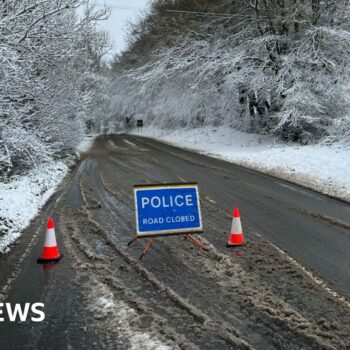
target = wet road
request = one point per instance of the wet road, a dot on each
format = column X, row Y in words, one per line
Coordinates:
column 311, row 227
column 256, row 296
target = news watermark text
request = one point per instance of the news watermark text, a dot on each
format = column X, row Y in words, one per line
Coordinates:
column 14, row 312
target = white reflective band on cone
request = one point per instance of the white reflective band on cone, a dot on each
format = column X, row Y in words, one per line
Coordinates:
column 236, row 226
column 50, row 239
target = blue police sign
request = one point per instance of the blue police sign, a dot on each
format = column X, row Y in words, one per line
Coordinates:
column 167, row 209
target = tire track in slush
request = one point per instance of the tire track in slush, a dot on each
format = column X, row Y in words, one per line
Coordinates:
column 98, row 274
column 310, row 274
column 302, row 323
column 205, row 327
column 289, row 215
column 268, row 263
column 282, row 260
column 321, row 321
column 293, row 206
column 223, row 331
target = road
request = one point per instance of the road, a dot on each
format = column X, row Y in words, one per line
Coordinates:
column 288, row 287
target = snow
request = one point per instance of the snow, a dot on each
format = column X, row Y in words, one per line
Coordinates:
column 22, row 198
column 105, row 302
column 124, row 315
column 323, row 168
column 86, row 144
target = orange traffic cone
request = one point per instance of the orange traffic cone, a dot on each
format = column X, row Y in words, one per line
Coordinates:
column 50, row 251
column 236, row 237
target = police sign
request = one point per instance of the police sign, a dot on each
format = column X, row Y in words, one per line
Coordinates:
column 167, row 209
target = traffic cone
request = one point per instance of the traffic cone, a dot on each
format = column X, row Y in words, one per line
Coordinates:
column 50, row 251
column 236, row 237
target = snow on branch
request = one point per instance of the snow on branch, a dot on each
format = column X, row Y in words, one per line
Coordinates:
column 49, row 79
column 272, row 67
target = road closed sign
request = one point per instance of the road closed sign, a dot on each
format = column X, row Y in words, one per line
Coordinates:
column 167, row 209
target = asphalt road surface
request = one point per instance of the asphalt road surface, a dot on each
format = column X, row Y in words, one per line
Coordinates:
column 288, row 287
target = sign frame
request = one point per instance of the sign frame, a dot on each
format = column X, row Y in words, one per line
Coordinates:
column 170, row 232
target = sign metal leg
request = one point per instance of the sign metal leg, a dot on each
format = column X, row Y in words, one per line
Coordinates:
column 147, row 246
column 133, row 240
column 150, row 241
column 195, row 241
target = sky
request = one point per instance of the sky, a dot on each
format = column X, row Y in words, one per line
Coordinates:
column 121, row 12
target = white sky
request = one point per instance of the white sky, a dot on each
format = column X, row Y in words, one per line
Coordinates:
column 121, row 12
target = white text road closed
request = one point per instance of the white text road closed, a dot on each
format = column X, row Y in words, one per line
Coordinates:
column 167, row 209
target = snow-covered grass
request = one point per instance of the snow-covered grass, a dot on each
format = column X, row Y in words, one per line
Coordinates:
column 323, row 168
column 22, row 198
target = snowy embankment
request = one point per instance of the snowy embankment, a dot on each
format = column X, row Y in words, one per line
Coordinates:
column 323, row 168
column 22, row 198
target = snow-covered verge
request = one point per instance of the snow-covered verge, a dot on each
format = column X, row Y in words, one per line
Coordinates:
column 323, row 168
column 22, row 198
